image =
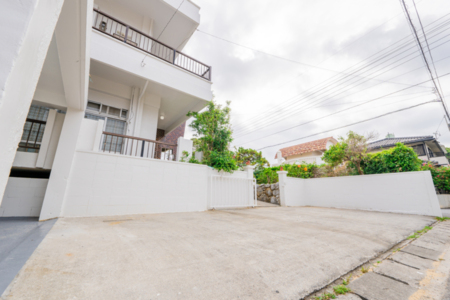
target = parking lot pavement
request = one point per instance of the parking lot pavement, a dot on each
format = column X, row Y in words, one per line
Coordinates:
column 19, row 237
column 262, row 253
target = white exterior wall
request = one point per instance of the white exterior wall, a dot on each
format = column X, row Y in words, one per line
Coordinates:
column 23, row 197
column 309, row 158
column 107, row 50
column 26, row 28
column 441, row 160
column 107, row 184
column 148, row 121
column 48, row 147
column 409, row 193
column 25, row 159
column 184, row 145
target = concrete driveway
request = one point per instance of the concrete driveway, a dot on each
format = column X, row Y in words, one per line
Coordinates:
column 262, row 253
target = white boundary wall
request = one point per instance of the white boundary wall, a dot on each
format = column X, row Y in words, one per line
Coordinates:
column 409, row 193
column 444, row 200
column 107, row 184
column 103, row 184
column 23, row 197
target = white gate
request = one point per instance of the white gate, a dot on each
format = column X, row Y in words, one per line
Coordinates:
column 228, row 191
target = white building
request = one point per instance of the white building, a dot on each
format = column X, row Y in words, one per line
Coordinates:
column 310, row 152
column 427, row 148
column 84, row 85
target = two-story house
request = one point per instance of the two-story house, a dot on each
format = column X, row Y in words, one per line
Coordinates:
column 114, row 84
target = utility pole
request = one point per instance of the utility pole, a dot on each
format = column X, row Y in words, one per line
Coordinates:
column 414, row 31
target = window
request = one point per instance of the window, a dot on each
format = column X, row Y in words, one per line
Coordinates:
column 114, row 123
column 93, row 106
column 33, row 130
column 419, row 150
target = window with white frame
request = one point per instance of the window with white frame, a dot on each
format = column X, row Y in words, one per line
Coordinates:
column 115, row 122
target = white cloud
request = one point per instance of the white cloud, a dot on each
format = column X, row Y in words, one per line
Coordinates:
column 334, row 34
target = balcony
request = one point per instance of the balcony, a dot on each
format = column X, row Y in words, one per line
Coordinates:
column 122, row 32
column 137, row 147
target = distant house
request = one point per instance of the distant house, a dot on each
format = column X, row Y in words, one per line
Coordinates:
column 310, row 152
column 426, row 147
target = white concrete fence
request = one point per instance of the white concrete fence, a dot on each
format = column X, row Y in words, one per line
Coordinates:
column 409, row 192
column 106, row 184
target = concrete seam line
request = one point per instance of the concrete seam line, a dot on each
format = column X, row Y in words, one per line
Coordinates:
column 417, row 255
column 405, row 242
column 403, row 264
column 390, row 277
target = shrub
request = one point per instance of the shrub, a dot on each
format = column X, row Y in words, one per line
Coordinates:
column 185, row 158
column 245, row 156
column 223, row 161
column 269, row 175
column 441, row 177
column 400, row 158
column 351, row 150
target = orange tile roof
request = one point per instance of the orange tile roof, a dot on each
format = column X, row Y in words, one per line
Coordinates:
column 318, row 145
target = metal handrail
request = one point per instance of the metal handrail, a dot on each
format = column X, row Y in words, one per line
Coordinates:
column 157, row 48
column 136, row 146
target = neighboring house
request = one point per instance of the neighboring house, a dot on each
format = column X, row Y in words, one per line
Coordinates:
column 426, row 147
column 310, row 152
column 114, row 80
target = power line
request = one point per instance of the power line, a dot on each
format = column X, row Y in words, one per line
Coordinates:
column 284, row 58
column 296, row 111
column 322, row 89
column 337, row 112
column 178, row 8
column 373, row 118
column 437, row 130
column 429, row 51
column 423, row 54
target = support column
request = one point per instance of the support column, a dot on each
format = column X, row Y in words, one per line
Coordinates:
column 252, row 192
column 27, row 28
column 57, row 184
column 249, row 169
column 282, row 176
column 46, row 138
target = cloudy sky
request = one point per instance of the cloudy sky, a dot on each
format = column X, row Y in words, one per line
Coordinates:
column 333, row 55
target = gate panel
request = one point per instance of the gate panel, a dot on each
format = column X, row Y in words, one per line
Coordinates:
column 228, row 191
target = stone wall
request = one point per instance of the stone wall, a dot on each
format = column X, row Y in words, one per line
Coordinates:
column 269, row 193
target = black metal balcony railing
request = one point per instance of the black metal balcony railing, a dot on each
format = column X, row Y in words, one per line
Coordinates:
column 139, row 147
column 131, row 36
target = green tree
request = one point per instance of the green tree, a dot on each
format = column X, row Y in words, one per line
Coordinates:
column 213, row 136
column 253, row 157
column 352, row 150
column 448, row 153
